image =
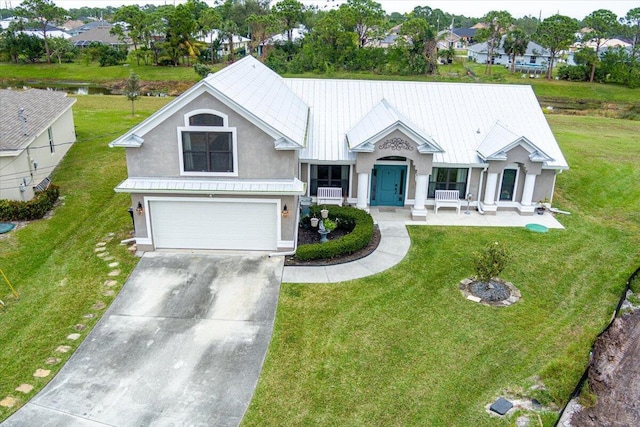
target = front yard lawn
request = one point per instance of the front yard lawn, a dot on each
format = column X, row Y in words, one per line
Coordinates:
column 404, row 348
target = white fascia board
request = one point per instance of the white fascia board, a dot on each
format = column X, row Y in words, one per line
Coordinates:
column 133, row 141
column 11, row 153
column 285, row 144
column 368, row 145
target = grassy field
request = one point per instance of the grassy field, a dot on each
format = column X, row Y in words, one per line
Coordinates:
column 398, row 348
column 404, row 348
column 52, row 263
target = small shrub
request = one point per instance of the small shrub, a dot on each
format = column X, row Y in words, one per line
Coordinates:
column 36, row 208
column 358, row 222
column 490, row 262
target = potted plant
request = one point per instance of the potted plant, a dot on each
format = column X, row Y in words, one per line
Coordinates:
column 542, row 206
column 324, row 212
column 329, row 224
column 314, row 221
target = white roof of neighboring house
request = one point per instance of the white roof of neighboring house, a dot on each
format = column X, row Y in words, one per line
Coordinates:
column 296, row 34
column 533, row 49
column 216, row 33
column 41, row 109
column 607, row 43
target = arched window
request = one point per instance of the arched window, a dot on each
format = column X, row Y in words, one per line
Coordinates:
column 207, row 145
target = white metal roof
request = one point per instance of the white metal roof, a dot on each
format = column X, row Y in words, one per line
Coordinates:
column 458, row 116
column 500, row 139
column 263, row 94
column 211, row 186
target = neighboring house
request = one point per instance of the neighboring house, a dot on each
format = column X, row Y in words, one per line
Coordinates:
column 216, row 167
column 239, row 42
column 36, row 131
column 390, row 39
column 83, row 28
column 535, row 55
column 98, row 35
column 297, row 34
column 459, row 38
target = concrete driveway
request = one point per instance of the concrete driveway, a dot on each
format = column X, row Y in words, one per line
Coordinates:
column 182, row 345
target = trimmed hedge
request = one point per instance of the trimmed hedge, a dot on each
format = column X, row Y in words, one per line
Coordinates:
column 36, row 208
column 360, row 224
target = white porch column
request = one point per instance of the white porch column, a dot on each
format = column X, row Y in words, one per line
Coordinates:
column 421, row 192
column 419, row 210
column 363, row 191
column 490, row 189
column 527, row 192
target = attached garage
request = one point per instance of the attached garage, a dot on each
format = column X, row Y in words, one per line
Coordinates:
column 229, row 224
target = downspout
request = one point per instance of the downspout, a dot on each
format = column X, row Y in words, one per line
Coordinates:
column 478, row 204
column 295, row 235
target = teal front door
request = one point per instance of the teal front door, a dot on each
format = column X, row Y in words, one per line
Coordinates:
column 387, row 185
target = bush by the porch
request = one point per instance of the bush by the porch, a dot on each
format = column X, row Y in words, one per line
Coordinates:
column 360, row 224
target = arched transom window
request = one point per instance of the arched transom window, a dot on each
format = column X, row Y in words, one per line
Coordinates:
column 208, row 145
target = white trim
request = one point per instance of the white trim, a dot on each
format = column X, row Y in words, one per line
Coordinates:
column 285, row 244
column 234, row 148
column 225, row 118
column 515, row 182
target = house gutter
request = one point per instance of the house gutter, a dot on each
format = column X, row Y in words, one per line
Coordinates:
column 295, row 235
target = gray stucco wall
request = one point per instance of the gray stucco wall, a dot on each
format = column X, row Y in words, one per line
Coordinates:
column 257, row 157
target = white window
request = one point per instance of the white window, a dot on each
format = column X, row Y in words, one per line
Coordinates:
column 208, row 146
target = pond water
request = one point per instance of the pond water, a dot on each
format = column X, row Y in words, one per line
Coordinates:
column 72, row 88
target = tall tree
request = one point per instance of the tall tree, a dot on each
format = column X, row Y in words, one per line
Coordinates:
column 631, row 21
column 515, row 43
column 602, row 24
column 262, row 27
column 421, row 38
column 556, row 33
column 44, row 13
column 291, row 12
column 210, row 20
column 135, row 25
column 363, row 16
column 498, row 22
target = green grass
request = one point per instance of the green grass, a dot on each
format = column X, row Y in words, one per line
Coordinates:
column 404, row 348
column 398, row 348
column 52, row 263
column 78, row 72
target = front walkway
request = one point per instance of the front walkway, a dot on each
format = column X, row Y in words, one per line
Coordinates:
column 395, row 241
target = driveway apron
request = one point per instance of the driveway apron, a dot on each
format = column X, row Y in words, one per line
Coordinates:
column 182, row 345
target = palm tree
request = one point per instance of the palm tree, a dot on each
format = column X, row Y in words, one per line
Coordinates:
column 515, row 44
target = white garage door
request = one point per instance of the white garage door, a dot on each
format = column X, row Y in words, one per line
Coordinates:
column 208, row 224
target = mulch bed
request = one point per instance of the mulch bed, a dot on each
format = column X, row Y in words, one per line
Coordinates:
column 307, row 236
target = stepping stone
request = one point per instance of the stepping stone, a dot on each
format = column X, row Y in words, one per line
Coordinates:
column 112, row 235
column 8, row 402
column 103, row 254
column 89, row 316
column 100, row 249
column 113, row 273
column 108, row 258
column 474, row 298
column 80, row 327
column 132, row 248
column 501, row 406
column 114, row 264
column 73, row 337
column 100, row 244
column 41, row 373
column 99, row 305
column 63, row 349
column 52, row 361
column 109, row 293
column 110, row 283
column 24, row 388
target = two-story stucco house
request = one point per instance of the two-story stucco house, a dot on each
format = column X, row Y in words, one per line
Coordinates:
column 216, row 167
column 36, row 131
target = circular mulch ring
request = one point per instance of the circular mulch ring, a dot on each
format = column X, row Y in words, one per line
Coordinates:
column 498, row 293
column 306, row 236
